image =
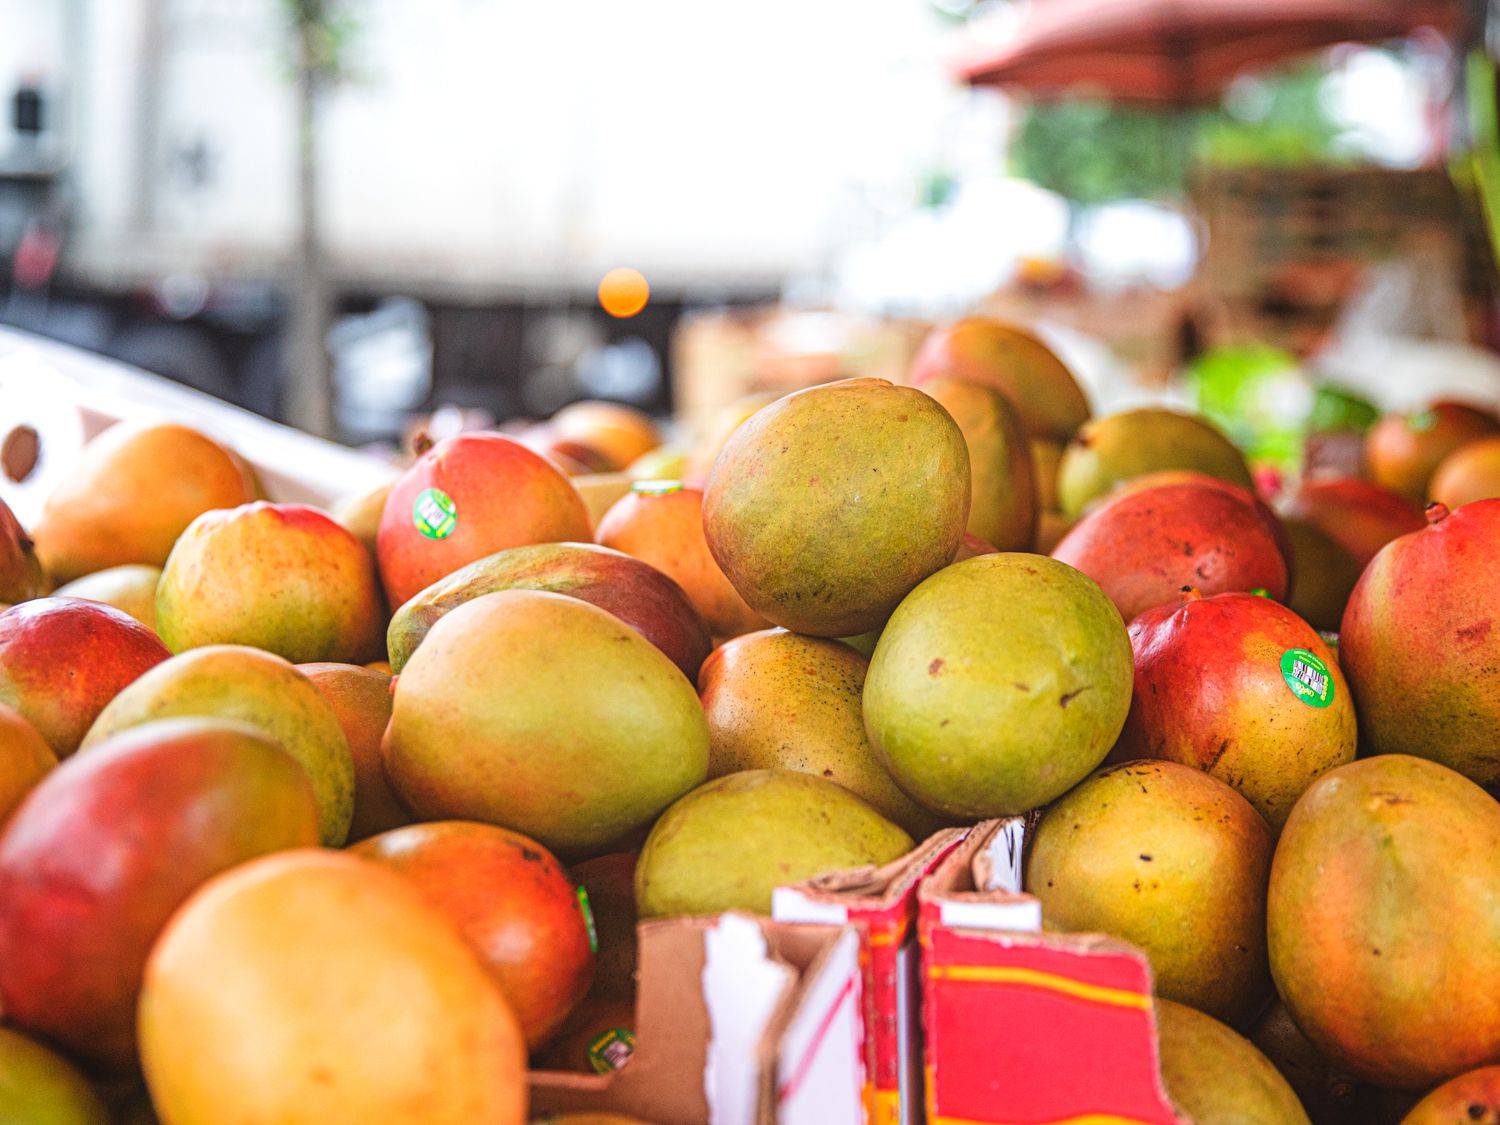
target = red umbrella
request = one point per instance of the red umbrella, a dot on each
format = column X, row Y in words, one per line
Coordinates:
column 1181, row 52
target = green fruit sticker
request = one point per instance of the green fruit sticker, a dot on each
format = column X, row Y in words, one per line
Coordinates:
column 1307, row 676
column 1421, row 423
column 588, row 919
column 434, row 514
column 656, row 487
column 611, row 1050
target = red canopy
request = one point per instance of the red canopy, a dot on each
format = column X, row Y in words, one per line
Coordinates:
column 1180, row 52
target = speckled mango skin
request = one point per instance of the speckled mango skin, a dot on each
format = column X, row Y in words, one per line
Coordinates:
column 544, row 714
column 361, row 701
column 1209, row 693
column 1003, row 504
column 779, row 700
column 997, row 685
column 637, row 593
column 1384, row 920
column 1170, row 859
column 661, row 523
column 828, row 506
column 1455, row 1101
column 132, row 493
column 63, row 659
column 1216, row 1076
column 130, row 589
column 504, row 495
column 730, row 842
column 282, row 577
column 1403, row 450
column 1016, row 363
column 1420, row 643
column 257, row 688
column 1108, row 451
column 1144, row 547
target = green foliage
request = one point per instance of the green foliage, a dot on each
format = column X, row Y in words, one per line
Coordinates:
column 323, row 32
column 1258, row 396
column 1093, row 152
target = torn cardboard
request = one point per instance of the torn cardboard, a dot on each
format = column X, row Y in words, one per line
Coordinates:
column 1023, row 1026
column 881, row 903
column 739, row 1021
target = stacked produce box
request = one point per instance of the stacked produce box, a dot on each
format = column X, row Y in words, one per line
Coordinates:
column 880, row 751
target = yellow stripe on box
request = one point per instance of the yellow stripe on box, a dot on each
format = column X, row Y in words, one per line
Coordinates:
column 1052, row 982
column 887, row 1107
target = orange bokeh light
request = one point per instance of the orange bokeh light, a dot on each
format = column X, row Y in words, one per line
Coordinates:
column 623, row 292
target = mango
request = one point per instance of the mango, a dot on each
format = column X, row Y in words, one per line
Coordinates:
column 1109, row 451
column 130, row 588
column 730, row 842
column 105, row 850
column 361, row 701
column 828, row 506
column 1172, row 860
column 638, row 594
column 779, row 700
column 468, row 497
column 1016, row 363
column 62, row 660
column 253, row 687
column 1216, row 1076
column 998, row 685
column 544, row 714
column 1003, row 499
column 661, row 523
column 1384, row 920
column 133, row 491
column 317, row 988
column 281, row 577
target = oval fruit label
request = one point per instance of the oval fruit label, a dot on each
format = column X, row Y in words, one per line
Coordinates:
column 611, row 1050
column 434, row 514
column 1308, row 677
column 656, row 487
column 588, row 919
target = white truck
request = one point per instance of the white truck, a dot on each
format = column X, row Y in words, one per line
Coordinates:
column 489, row 158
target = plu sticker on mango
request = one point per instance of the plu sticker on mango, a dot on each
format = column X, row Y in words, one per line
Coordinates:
column 611, row 1050
column 1308, row 677
column 434, row 513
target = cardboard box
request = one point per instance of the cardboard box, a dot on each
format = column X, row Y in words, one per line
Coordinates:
column 1026, row 1028
column 66, row 397
column 882, row 904
column 739, row 1021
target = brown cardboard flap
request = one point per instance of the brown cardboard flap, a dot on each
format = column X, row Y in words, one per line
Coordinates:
column 978, row 885
column 663, row 1083
column 874, row 887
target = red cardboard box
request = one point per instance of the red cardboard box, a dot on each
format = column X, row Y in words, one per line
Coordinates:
column 882, row 904
column 1025, row 1028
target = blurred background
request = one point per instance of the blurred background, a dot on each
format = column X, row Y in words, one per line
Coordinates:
column 347, row 214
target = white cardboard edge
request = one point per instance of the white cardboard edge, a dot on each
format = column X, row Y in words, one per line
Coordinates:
column 741, row 988
column 1004, row 851
column 1020, row 914
column 820, row 1066
column 790, row 905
